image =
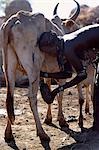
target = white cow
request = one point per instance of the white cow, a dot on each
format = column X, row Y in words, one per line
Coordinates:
column 17, row 5
column 20, row 52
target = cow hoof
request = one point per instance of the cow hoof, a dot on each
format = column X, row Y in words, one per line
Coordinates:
column 48, row 121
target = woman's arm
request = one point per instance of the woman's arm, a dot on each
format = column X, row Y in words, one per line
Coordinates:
column 78, row 66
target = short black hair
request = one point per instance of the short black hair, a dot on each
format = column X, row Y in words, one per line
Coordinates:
column 47, row 39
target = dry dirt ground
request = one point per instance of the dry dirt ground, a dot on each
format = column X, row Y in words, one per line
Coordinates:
column 61, row 138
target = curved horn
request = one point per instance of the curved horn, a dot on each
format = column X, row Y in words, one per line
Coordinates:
column 55, row 9
column 76, row 13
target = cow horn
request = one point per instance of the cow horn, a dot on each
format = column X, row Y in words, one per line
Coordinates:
column 75, row 14
column 55, row 9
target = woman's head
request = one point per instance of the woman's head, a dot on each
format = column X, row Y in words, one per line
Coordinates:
column 47, row 41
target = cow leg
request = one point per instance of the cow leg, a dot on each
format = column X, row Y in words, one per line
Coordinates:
column 31, row 64
column 8, row 132
column 87, row 100
column 92, row 90
column 33, row 76
column 48, row 119
column 10, row 83
column 33, row 88
column 81, row 102
column 11, row 116
column 60, row 117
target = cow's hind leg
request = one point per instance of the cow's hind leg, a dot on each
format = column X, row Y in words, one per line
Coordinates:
column 81, row 102
column 10, row 110
column 11, row 116
column 10, row 83
column 60, row 117
column 8, row 132
column 33, row 88
column 87, row 100
column 33, row 73
column 48, row 119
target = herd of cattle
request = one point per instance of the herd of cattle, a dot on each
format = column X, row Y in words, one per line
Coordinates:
column 19, row 44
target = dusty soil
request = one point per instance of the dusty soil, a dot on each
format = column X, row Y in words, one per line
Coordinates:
column 61, row 138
